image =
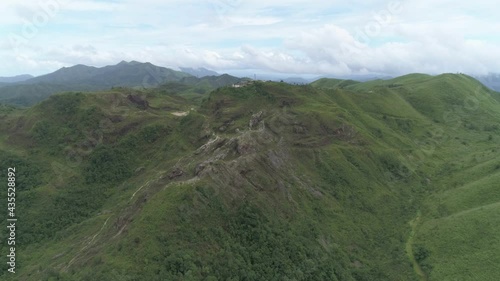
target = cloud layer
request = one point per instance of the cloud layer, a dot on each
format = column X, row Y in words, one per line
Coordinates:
column 291, row 37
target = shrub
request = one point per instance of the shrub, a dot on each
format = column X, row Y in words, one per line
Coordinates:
column 105, row 165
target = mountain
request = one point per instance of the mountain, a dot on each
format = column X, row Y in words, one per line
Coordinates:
column 297, row 80
column 29, row 94
column 195, row 88
column 491, row 80
column 87, row 78
column 332, row 83
column 198, row 72
column 336, row 180
column 124, row 74
column 14, row 79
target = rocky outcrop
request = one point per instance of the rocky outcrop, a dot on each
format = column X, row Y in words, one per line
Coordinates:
column 255, row 119
column 177, row 172
column 137, row 100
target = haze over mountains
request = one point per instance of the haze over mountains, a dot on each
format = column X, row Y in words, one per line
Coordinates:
column 132, row 74
column 14, row 79
column 230, row 140
column 26, row 90
column 333, row 180
column 491, row 80
column 198, row 72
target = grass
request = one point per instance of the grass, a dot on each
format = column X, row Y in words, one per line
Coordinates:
column 321, row 187
column 457, row 227
column 463, row 245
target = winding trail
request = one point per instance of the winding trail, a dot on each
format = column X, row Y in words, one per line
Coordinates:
column 86, row 246
column 409, row 248
column 147, row 183
column 479, row 208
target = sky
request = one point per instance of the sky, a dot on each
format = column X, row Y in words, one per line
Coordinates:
column 292, row 38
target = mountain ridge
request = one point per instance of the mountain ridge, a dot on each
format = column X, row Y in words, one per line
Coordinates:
column 198, row 72
column 305, row 182
column 89, row 78
column 491, row 80
column 15, row 79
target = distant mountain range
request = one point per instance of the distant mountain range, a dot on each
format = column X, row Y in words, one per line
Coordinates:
column 15, row 79
column 124, row 74
column 491, row 80
column 308, row 79
column 27, row 90
column 198, row 72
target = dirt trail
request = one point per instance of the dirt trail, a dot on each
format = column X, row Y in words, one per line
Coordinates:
column 180, row 113
column 483, row 207
column 409, row 249
column 86, row 246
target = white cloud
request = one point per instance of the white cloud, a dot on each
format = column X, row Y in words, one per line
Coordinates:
column 294, row 36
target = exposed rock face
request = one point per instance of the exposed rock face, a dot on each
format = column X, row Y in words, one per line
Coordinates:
column 255, row 119
column 346, row 133
column 250, row 158
column 258, row 157
column 175, row 173
column 199, row 168
column 116, row 118
column 137, row 100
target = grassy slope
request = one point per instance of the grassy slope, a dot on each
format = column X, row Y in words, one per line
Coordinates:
column 456, row 234
column 87, row 79
column 321, row 187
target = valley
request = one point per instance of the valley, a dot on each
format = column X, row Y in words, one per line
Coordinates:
column 334, row 180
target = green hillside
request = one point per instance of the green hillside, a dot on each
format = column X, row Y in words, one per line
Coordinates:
column 125, row 74
column 337, row 180
column 122, row 74
column 331, row 83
